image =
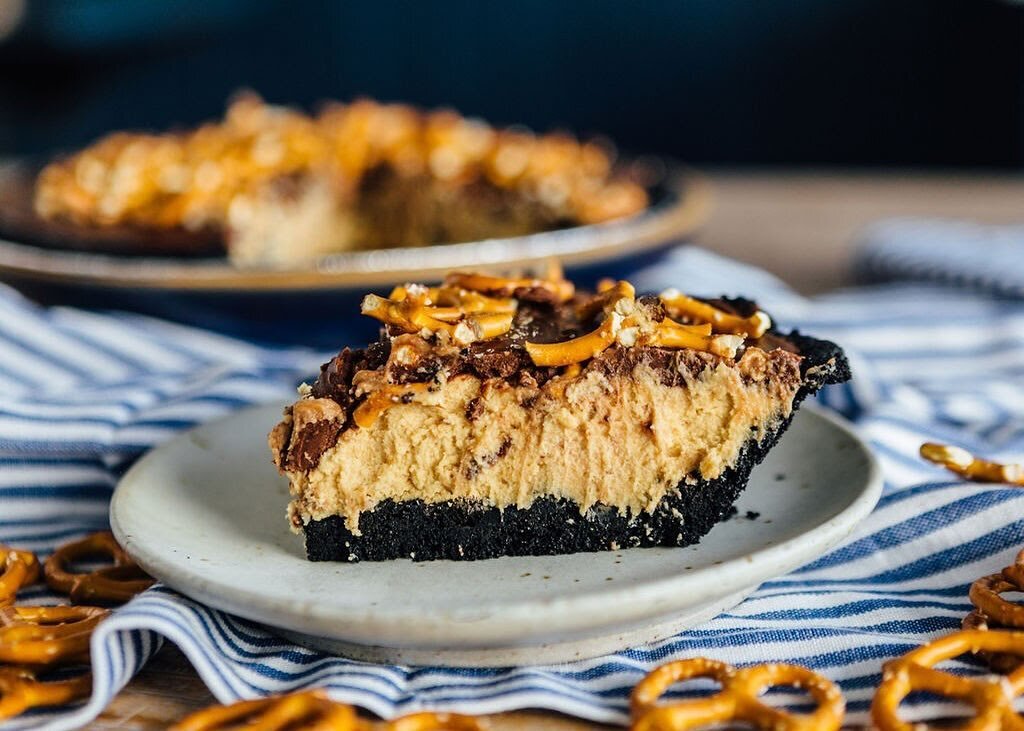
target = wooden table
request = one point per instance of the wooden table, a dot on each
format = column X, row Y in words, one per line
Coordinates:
column 798, row 225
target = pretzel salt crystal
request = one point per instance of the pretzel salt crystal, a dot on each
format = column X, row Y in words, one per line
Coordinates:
column 18, row 569
column 991, row 697
column 965, row 464
column 738, row 700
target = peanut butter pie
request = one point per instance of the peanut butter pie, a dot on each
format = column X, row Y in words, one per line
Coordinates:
column 271, row 185
column 499, row 417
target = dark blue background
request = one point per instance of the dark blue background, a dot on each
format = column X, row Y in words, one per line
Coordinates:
column 892, row 82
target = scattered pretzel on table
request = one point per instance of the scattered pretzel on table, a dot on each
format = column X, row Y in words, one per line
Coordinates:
column 738, row 700
column 965, row 464
column 20, row 690
column 18, row 569
column 991, row 697
column 44, row 636
column 992, row 611
column 113, row 584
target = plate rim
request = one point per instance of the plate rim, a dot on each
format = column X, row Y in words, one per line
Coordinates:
column 588, row 611
column 687, row 208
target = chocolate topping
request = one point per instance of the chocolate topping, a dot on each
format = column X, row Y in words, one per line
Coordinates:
column 309, row 443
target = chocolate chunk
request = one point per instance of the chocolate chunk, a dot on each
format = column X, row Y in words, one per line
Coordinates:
column 309, row 444
column 336, row 376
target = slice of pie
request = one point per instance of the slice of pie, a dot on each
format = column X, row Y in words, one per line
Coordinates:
column 273, row 186
column 500, row 417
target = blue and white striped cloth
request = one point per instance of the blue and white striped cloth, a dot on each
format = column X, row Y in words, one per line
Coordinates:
column 83, row 394
column 986, row 258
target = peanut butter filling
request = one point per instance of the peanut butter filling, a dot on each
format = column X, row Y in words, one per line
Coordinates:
column 603, row 436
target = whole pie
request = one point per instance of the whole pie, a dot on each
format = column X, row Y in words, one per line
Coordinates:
column 516, row 416
column 271, row 185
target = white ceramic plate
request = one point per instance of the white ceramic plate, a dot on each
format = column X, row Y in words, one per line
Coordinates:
column 205, row 514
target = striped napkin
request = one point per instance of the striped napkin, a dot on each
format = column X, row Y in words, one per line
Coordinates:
column 961, row 253
column 84, row 394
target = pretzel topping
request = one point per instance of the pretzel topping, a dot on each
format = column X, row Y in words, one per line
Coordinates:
column 47, row 635
column 626, row 323
column 113, row 584
column 992, row 697
column 428, row 721
column 383, row 398
column 414, row 314
column 738, row 700
column 20, row 691
column 681, row 306
column 18, row 569
column 310, row 710
column 965, row 464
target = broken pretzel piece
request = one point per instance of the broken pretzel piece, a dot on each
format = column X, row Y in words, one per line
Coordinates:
column 965, row 464
column 681, row 306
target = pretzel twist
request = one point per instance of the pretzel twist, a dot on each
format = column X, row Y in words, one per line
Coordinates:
column 416, row 314
column 626, row 323
column 1001, row 662
column 18, row 569
column 985, row 595
column 963, row 463
column 41, row 636
column 738, row 699
column 112, row 584
column 992, row 611
column 309, row 710
column 20, row 690
column 428, row 721
column 992, row 698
